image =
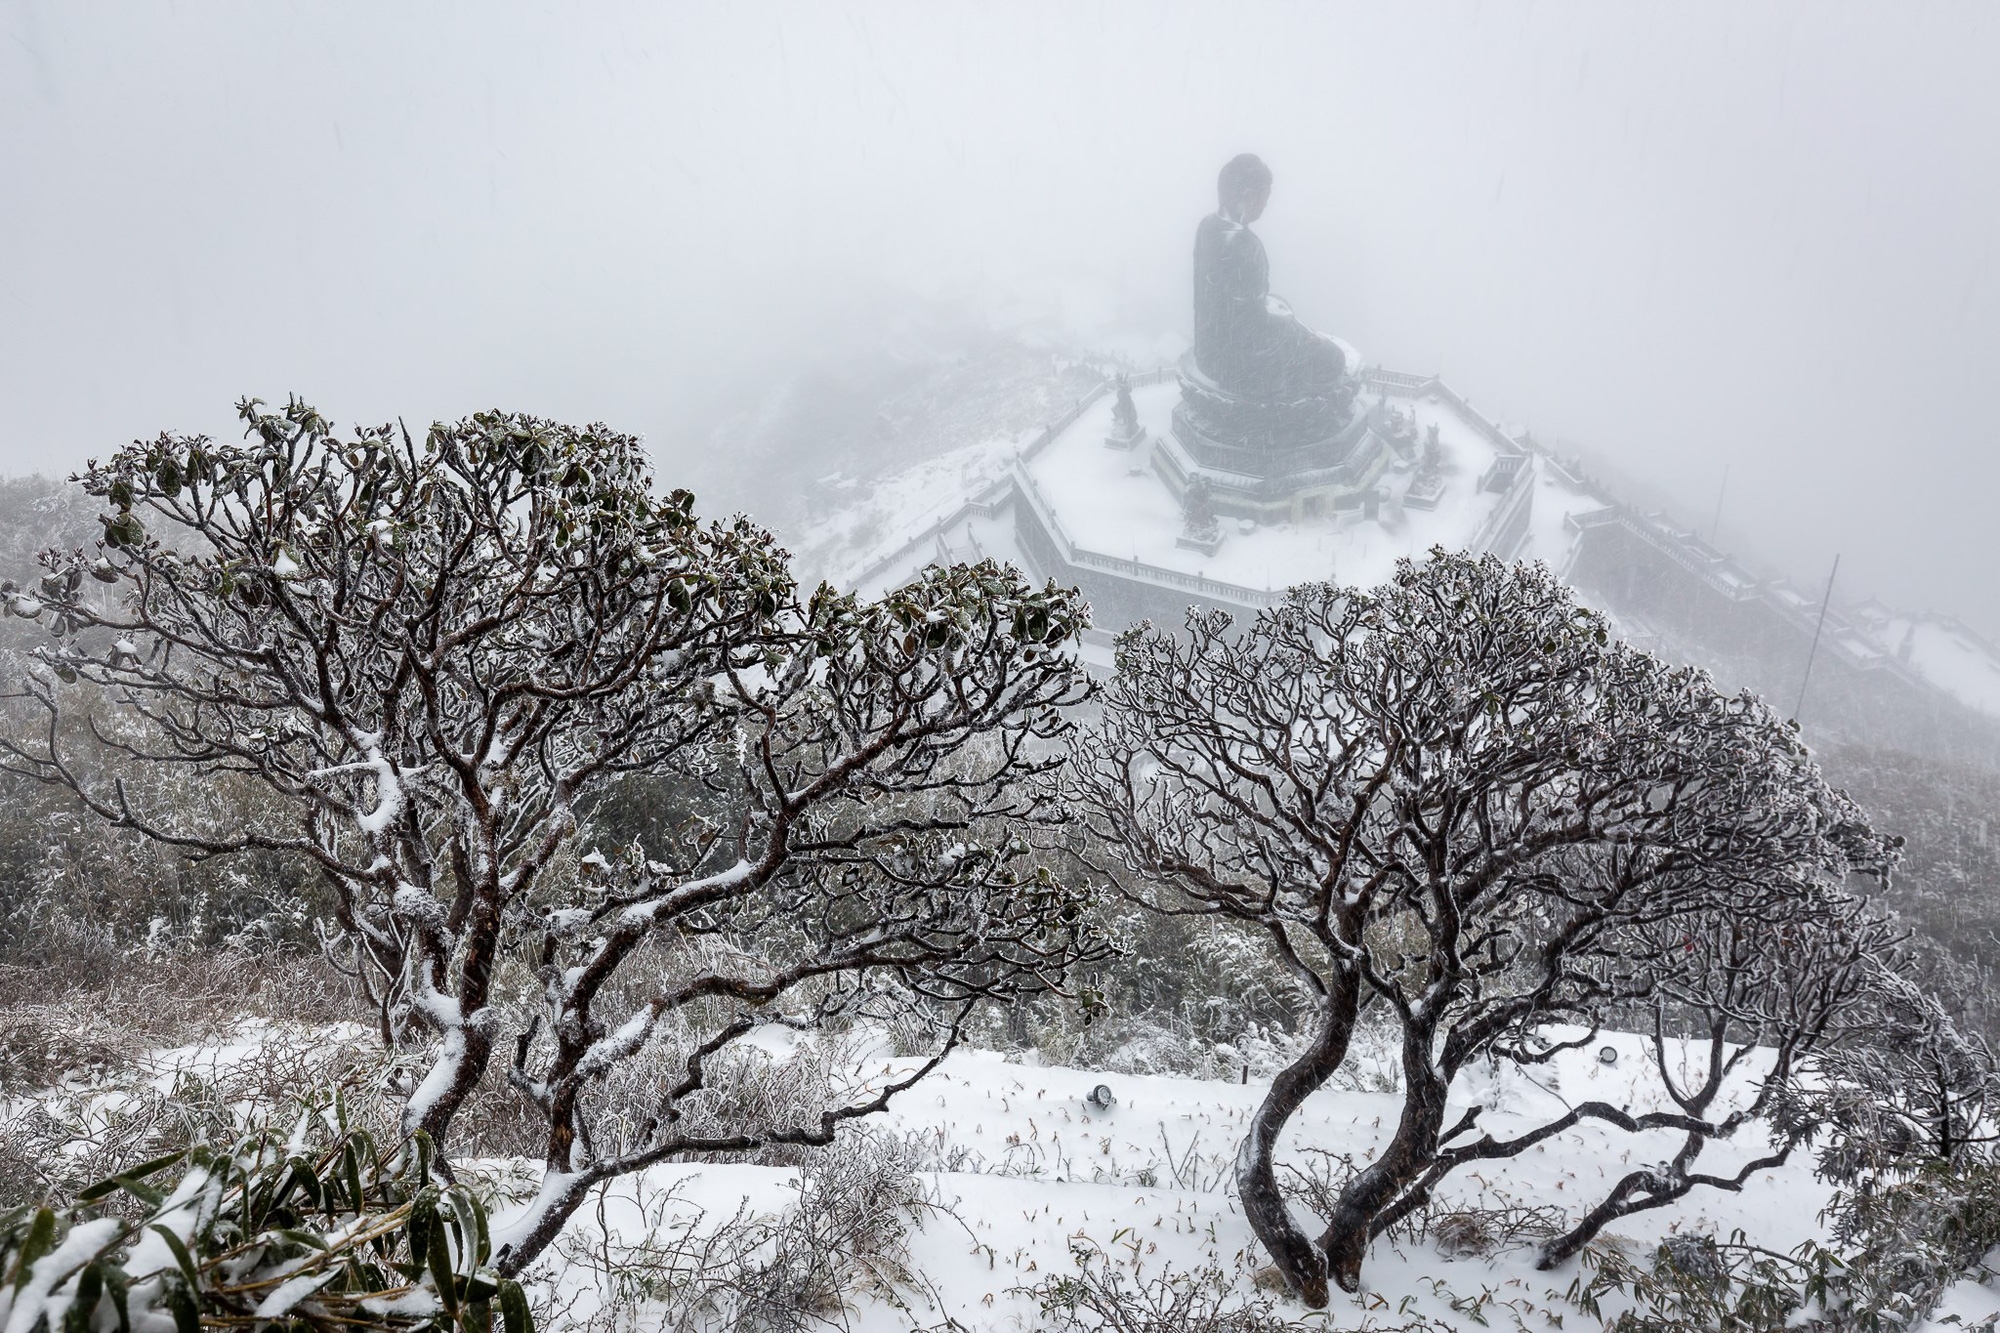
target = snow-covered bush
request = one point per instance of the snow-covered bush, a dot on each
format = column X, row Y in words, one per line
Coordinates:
column 1217, row 978
column 1487, row 1226
column 1198, row 999
column 87, row 899
column 1895, row 1250
column 77, row 895
column 1916, row 1090
column 1100, row 1295
column 431, row 654
column 117, row 1104
column 665, row 1263
column 1457, row 795
column 1949, row 882
column 1691, row 1282
column 1900, row 1244
column 1760, row 1002
column 316, row 1230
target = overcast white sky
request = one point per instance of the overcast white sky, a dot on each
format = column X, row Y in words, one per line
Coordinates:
column 1758, row 236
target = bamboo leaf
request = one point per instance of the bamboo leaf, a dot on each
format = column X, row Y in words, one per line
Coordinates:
column 440, row 1265
column 41, row 1238
column 514, row 1313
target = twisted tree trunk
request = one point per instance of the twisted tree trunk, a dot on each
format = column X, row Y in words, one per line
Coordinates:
column 1410, row 1152
column 1291, row 1250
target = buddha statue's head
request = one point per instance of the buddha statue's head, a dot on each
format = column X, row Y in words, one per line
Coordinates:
column 1243, row 188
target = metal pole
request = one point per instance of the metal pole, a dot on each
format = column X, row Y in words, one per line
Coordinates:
column 1814, row 650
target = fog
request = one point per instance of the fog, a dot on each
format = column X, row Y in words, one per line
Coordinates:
column 1689, row 238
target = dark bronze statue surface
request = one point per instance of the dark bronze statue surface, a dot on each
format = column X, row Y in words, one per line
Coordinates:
column 1262, row 395
column 1246, row 340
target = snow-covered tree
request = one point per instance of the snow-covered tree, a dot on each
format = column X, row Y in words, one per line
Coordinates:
column 1455, row 794
column 1743, row 1008
column 1917, row 1090
column 432, row 651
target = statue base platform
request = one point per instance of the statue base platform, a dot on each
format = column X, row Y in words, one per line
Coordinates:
column 1423, row 495
column 1126, row 442
column 1207, row 544
column 1272, row 462
column 1263, row 436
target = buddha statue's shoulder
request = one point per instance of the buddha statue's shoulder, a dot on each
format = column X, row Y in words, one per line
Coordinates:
column 1221, row 240
column 1216, row 229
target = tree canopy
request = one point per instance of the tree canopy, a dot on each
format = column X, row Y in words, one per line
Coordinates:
column 1458, row 797
column 429, row 651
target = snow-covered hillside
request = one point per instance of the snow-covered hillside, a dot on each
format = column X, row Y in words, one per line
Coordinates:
column 1027, row 1181
column 989, row 1189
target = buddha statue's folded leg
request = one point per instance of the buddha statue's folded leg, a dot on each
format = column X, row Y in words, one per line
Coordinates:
column 1306, row 364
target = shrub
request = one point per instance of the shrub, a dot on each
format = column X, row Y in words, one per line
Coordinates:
column 685, row 1269
column 317, row 1230
column 1456, row 795
column 429, row 656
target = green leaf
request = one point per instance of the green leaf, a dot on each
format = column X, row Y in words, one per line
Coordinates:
column 114, row 1286
column 350, row 1161
column 180, row 1253
column 152, row 1168
column 441, row 1274
column 89, row 1287
column 472, row 1233
column 514, row 1313
column 181, row 1302
column 129, row 1181
column 301, row 1179
column 41, row 1238
column 423, row 1222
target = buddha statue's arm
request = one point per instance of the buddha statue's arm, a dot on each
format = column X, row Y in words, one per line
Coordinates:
column 1244, row 271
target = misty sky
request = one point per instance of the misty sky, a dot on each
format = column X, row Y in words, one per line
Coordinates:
column 1686, row 237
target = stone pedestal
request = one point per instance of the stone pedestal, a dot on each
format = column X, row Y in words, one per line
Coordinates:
column 1424, row 493
column 1269, row 461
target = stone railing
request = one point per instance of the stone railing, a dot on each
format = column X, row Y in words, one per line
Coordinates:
column 1506, row 470
column 988, row 503
column 1516, row 492
column 1396, row 379
column 1704, row 565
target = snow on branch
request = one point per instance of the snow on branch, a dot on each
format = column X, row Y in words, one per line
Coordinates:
column 1457, row 798
column 434, row 652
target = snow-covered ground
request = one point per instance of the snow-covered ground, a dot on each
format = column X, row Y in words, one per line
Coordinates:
column 1032, row 1175
column 1026, row 1176
column 844, row 540
column 1104, row 508
column 1950, row 656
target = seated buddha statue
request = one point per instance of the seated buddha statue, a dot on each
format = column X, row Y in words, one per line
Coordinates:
column 1246, row 341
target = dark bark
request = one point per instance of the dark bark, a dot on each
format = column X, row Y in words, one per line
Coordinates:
column 1292, row 1252
column 1411, row 1151
column 1643, row 1190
